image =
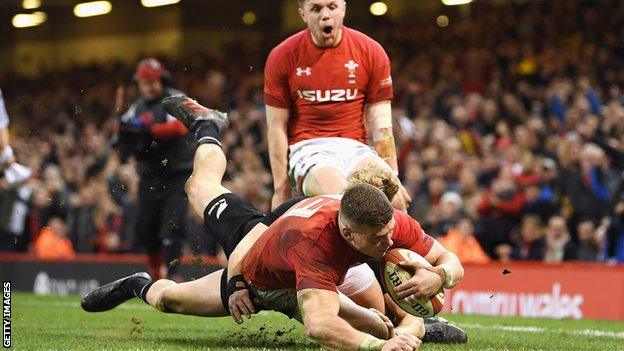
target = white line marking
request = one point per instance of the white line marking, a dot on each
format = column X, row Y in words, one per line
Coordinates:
column 585, row 332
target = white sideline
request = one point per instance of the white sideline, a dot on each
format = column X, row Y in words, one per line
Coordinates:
column 586, row 332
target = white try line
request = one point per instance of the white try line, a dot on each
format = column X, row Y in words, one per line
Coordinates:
column 585, row 332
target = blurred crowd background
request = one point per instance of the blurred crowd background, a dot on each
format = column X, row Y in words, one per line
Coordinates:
column 509, row 126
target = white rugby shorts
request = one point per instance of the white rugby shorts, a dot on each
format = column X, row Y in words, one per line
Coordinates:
column 357, row 279
column 340, row 153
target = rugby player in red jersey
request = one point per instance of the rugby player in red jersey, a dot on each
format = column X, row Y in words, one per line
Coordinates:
column 325, row 87
column 274, row 273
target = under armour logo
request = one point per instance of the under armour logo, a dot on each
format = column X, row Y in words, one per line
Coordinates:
column 304, row 71
column 220, row 205
column 351, row 66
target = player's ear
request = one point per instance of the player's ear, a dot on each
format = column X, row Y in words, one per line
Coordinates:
column 302, row 15
column 347, row 232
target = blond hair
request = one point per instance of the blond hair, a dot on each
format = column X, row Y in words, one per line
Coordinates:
column 379, row 177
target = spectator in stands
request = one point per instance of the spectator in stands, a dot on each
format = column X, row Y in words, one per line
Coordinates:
column 470, row 191
column 52, row 243
column 591, row 241
column 58, row 193
column 531, row 243
column 461, row 240
column 585, row 179
column 500, row 208
column 124, row 186
column 559, row 244
column 615, row 233
column 424, row 204
column 451, row 211
column 539, row 201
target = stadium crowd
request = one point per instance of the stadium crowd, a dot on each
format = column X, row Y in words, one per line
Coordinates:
column 509, row 125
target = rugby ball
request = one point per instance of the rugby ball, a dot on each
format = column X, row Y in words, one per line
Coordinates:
column 393, row 275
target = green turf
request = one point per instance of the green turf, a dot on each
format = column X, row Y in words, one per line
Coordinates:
column 57, row 323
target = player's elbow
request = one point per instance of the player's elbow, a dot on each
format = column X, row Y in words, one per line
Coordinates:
column 460, row 271
column 459, row 268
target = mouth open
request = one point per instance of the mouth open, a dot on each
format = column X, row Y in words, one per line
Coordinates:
column 328, row 29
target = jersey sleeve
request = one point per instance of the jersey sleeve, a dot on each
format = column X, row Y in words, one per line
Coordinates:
column 408, row 234
column 312, row 271
column 380, row 83
column 276, row 89
column 4, row 116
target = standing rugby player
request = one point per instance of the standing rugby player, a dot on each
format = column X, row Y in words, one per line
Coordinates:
column 325, row 87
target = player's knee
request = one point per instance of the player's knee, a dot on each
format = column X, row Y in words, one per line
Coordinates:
column 168, row 303
column 190, row 186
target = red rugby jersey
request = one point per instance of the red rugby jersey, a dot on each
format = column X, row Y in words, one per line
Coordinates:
column 326, row 88
column 304, row 249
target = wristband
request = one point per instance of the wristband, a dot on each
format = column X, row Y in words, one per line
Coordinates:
column 235, row 284
column 448, row 278
column 371, row 343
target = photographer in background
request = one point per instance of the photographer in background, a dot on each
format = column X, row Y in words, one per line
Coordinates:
column 163, row 149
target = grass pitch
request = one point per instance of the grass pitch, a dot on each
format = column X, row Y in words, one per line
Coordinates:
column 58, row 323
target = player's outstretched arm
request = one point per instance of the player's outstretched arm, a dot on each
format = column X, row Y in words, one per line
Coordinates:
column 320, row 308
column 378, row 118
column 277, row 129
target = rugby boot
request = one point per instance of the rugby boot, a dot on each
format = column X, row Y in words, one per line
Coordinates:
column 444, row 333
column 189, row 112
column 109, row 296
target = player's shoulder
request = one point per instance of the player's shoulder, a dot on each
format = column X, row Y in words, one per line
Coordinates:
column 316, row 213
column 402, row 219
column 289, row 45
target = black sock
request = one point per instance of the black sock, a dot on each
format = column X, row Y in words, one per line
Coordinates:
column 143, row 294
column 138, row 286
column 207, row 132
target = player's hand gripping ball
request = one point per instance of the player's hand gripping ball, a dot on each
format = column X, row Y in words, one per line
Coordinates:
column 394, row 275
